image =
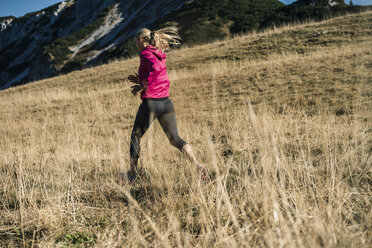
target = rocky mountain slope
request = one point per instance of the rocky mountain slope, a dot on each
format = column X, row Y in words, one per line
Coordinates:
column 42, row 43
column 75, row 34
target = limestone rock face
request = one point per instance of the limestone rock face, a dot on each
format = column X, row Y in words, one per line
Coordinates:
column 40, row 44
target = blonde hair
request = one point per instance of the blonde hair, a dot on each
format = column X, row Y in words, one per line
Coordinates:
column 162, row 39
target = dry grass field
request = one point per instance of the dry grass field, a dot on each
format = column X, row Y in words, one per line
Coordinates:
column 282, row 120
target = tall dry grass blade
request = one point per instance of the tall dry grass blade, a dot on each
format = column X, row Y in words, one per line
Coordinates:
column 148, row 218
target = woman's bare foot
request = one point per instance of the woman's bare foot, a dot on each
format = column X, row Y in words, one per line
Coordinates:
column 203, row 172
column 190, row 154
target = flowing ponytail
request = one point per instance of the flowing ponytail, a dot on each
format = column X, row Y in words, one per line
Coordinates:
column 162, row 39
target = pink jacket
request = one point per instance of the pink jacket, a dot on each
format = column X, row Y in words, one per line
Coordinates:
column 153, row 69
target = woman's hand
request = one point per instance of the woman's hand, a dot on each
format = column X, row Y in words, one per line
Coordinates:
column 134, row 78
column 139, row 86
column 136, row 88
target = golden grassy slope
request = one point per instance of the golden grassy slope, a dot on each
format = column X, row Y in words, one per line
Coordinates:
column 282, row 119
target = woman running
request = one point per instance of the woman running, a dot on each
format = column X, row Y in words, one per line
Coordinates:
column 153, row 83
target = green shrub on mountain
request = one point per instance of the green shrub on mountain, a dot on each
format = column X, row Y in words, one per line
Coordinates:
column 310, row 10
column 59, row 48
column 127, row 49
column 203, row 21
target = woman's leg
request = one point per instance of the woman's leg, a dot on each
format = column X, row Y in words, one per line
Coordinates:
column 190, row 154
column 143, row 120
column 168, row 122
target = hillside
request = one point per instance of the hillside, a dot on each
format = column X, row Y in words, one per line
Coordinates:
column 281, row 118
column 70, row 35
column 77, row 34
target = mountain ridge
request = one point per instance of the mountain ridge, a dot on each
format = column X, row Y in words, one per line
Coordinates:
column 25, row 42
column 72, row 35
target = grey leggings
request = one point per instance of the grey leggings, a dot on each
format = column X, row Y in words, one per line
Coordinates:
column 148, row 111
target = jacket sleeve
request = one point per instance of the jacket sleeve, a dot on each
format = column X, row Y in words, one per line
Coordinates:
column 146, row 65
